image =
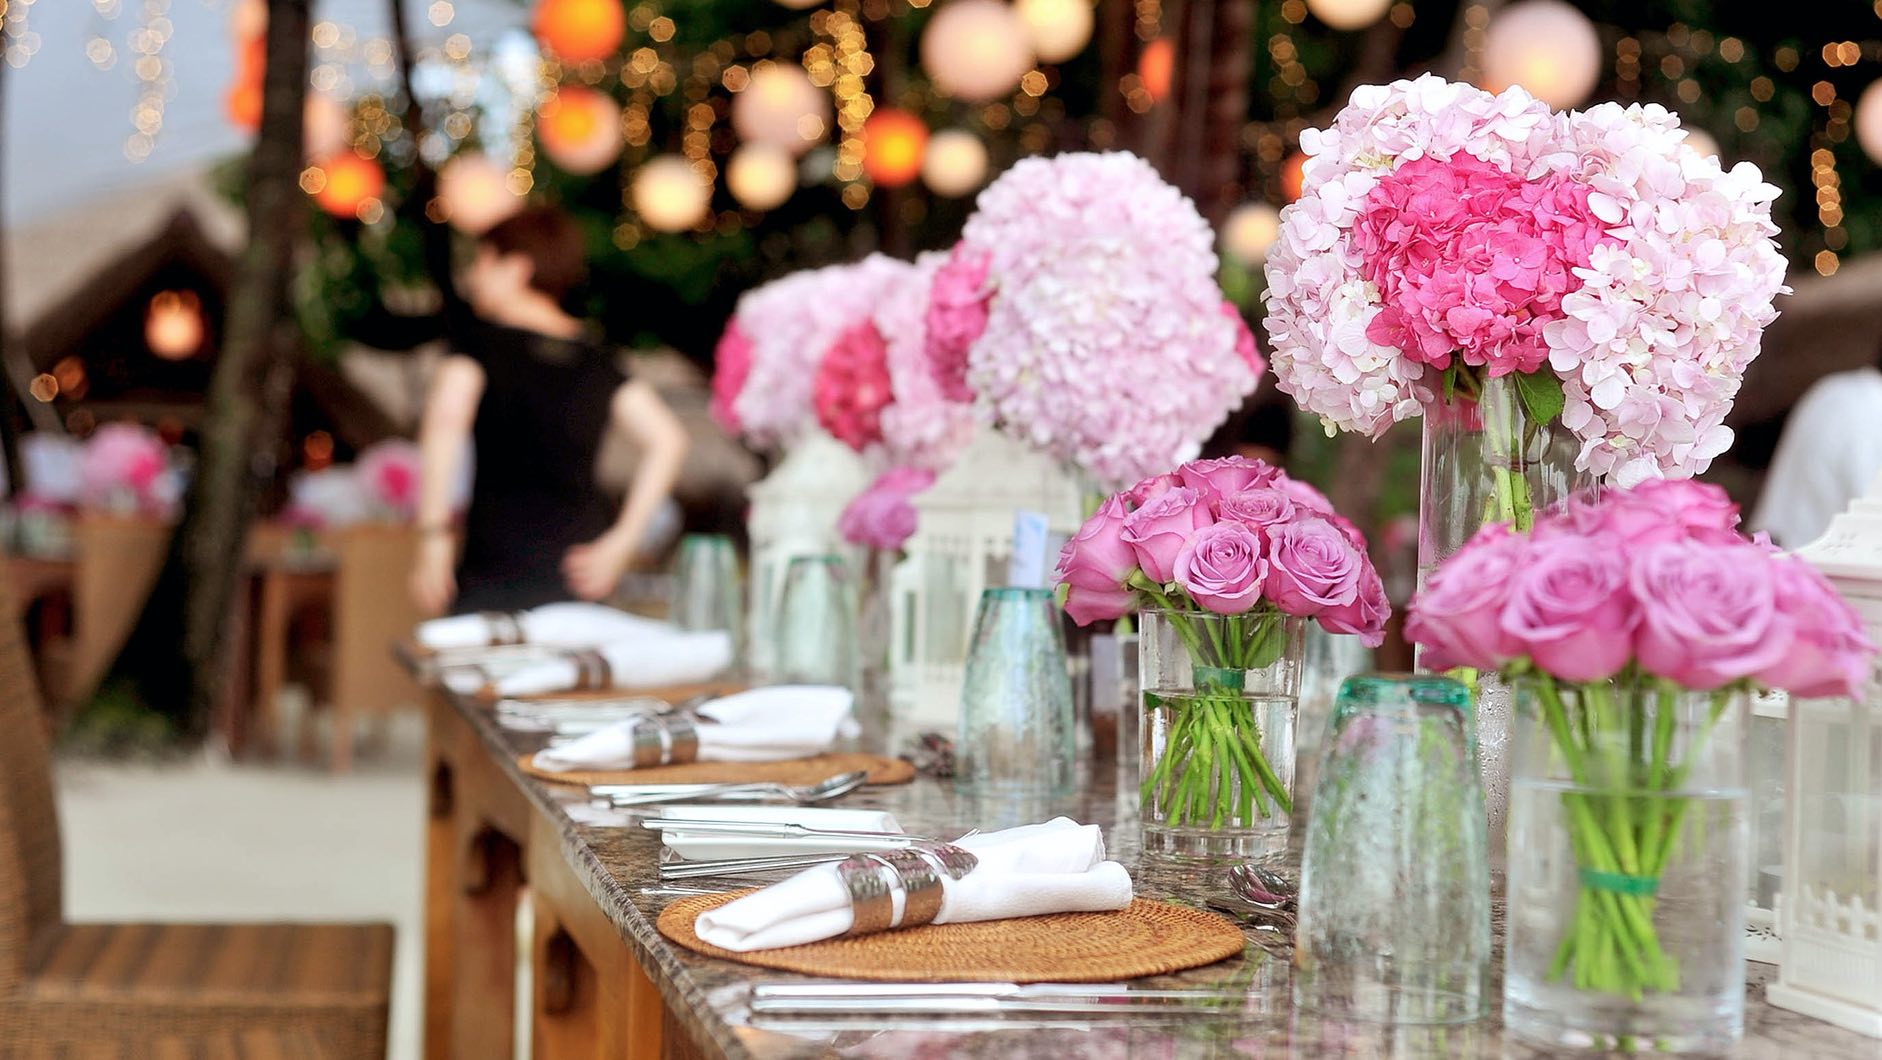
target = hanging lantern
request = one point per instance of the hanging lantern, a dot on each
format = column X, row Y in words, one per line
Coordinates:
column 580, row 129
column 476, row 193
column 241, row 103
column 1156, row 67
column 579, row 30
column 1546, row 46
column 324, row 125
column 761, row 176
column 799, row 5
column 1869, row 121
column 670, row 195
column 955, row 163
column 345, row 184
column 779, row 106
column 1058, row 29
column 1348, row 14
column 1249, row 231
column 975, row 50
column 893, row 141
column 1702, row 142
column 1293, row 175
column 173, row 325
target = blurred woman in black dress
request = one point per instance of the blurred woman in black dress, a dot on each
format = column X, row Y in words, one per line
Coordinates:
column 535, row 393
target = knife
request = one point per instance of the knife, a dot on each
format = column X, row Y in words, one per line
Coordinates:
column 828, row 999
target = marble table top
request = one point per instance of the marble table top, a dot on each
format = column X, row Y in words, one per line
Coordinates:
column 708, row 996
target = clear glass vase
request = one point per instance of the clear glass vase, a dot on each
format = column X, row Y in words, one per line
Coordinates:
column 1220, row 695
column 1627, row 854
column 1486, row 460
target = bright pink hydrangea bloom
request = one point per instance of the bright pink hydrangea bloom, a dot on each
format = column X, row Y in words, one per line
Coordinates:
column 852, row 387
column 957, row 314
column 731, row 366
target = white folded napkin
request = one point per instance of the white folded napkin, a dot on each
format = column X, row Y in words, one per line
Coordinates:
column 567, row 625
column 654, row 660
column 762, row 725
column 1055, row 867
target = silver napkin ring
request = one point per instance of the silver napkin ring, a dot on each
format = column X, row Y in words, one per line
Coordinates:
column 591, row 670
column 917, row 870
column 665, row 740
column 506, row 627
column 921, row 885
column 872, row 908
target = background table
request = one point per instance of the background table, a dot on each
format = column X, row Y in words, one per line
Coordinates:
column 607, row 984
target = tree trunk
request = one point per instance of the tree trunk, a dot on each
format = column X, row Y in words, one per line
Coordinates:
column 173, row 661
column 437, row 237
column 1194, row 135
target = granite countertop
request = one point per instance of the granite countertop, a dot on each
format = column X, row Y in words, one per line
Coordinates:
column 707, row 995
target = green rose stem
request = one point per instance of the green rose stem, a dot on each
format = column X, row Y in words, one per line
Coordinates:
column 1212, row 772
column 1623, row 827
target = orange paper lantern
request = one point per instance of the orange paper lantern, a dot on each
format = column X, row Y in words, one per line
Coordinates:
column 348, row 180
column 893, row 142
column 1293, row 174
column 580, row 129
column 241, row 104
column 579, row 30
column 1156, row 67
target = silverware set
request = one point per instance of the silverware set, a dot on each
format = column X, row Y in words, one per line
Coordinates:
column 862, row 999
column 855, row 841
column 620, row 795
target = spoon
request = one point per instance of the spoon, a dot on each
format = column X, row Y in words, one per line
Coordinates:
column 822, row 791
column 1263, row 887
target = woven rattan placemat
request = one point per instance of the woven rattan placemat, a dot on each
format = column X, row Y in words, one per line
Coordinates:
column 1145, row 938
column 801, row 772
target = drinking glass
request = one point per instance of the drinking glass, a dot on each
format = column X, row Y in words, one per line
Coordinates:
column 814, row 630
column 706, row 592
column 1395, row 880
column 1017, row 736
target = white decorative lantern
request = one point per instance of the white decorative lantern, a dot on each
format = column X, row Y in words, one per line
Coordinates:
column 1546, row 46
column 955, row 163
column 761, row 176
column 670, row 194
column 975, row 50
column 962, row 544
column 781, row 107
column 1831, row 916
column 793, row 513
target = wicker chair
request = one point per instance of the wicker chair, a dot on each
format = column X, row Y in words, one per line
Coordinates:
column 149, row 990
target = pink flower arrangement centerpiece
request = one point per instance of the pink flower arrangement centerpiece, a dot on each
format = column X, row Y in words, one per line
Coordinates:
column 389, row 471
column 881, row 517
column 1081, row 310
column 1225, row 559
column 1565, row 297
column 1632, row 630
column 124, row 469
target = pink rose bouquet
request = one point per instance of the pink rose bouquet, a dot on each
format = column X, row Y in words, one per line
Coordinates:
column 1231, row 551
column 1081, row 311
column 1605, row 615
column 1446, row 237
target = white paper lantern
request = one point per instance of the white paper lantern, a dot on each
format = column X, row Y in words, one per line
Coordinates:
column 1546, row 46
column 761, row 176
column 1869, row 121
column 1059, row 29
column 780, row 107
column 1702, row 142
column 476, row 193
column 975, row 50
column 670, row 195
column 1249, row 231
column 324, row 125
column 956, row 163
column 1348, row 14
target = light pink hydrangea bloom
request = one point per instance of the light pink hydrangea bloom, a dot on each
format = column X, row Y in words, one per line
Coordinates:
column 922, row 427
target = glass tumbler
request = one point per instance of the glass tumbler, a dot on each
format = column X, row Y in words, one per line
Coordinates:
column 706, row 592
column 1395, row 882
column 814, row 629
column 1017, row 736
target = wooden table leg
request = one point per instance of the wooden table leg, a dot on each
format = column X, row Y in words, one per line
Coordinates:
column 441, row 887
column 271, row 649
column 483, row 1003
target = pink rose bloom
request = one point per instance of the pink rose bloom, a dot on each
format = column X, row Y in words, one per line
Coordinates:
column 1457, row 617
column 1312, row 566
column 1708, row 613
column 1245, row 347
column 1221, row 568
column 957, row 314
column 1146, row 489
column 1366, row 616
column 1654, row 511
column 852, row 387
column 1831, row 653
column 1258, row 507
column 1228, row 474
column 390, row 471
column 1570, row 610
column 1095, row 565
column 881, row 516
column 731, row 364
column 1158, row 531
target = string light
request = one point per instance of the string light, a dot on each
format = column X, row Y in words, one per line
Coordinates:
column 843, row 64
column 153, row 76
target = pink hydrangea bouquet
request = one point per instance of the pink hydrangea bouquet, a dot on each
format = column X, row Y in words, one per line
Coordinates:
column 1446, row 237
column 1605, row 617
column 388, row 471
column 125, row 467
column 1074, row 276
column 1231, row 551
